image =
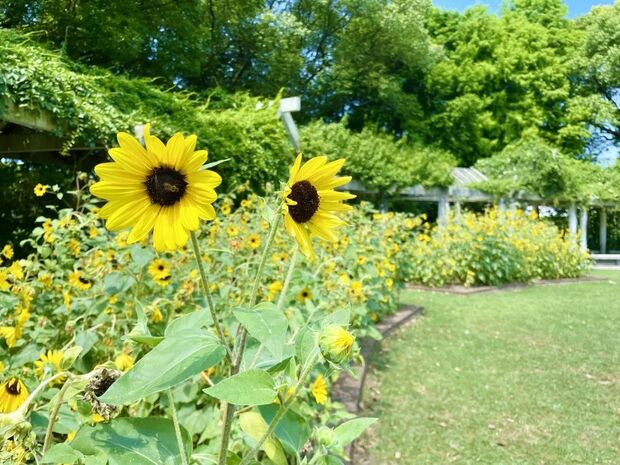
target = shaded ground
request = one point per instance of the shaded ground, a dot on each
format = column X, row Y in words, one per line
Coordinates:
column 529, row 376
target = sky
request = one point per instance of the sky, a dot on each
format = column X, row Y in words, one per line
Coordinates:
column 575, row 7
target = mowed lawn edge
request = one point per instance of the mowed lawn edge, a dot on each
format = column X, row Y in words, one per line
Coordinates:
column 526, row 376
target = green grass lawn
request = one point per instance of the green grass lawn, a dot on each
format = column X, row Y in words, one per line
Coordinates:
column 530, row 376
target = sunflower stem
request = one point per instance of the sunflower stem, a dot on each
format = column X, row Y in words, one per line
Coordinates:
column 177, row 427
column 54, row 414
column 281, row 412
column 289, row 277
column 228, row 410
column 207, row 293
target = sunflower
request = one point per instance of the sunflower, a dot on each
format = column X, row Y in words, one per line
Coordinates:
column 163, row 280
column 40, row 189
column 254, row 241
column 319, row 390
column 159, row 188
column 11, row 334
column 50, row 364
column 77, row 280
column 13, row 393
column 304, row 295
column 7, row 251
column 310, row 200
column 159, row 268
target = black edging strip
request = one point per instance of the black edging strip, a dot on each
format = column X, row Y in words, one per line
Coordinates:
column 348, row 389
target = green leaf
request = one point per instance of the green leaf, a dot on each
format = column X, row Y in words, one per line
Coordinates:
column 171, row 362
column 267, row 324
column 62, row 453
column 141, row 255
column 135, row 441
column 252, row 387
column 350, row 430
column 339, row 317
column 254, row 426
column 117, row 282
column 292, row 430
column 190, row 322
column 305, row 345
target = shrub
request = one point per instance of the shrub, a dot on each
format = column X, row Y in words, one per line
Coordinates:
column 494, row 248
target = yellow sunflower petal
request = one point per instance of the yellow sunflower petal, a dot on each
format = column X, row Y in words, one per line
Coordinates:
column 330, row 194
column 130, row 145
column 144, row 224
column 303, row 239
column 155, row 146
column 114, row 172
column 207, row 178
column 129, row 161
column 189, row 215
column 295, row 169
column 328, row 171
column 127, row 215
column 174, row 149
column 180, row 233
column 322, row 231
column 205, row 211
column 309, row 168
column 333, row 183
column 196, row 160
column 199, row 193
column 113, row 191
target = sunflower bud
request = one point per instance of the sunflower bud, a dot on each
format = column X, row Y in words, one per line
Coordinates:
column 336, row 344
column 325, row 436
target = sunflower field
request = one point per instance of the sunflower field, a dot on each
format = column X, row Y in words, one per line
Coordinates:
column 494, row 248
column 215, row 339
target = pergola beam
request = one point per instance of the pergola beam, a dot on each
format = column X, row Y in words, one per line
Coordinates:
column 39, row 120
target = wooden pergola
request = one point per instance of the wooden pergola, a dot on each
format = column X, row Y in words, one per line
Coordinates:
column 462, row 191
column 32, row 136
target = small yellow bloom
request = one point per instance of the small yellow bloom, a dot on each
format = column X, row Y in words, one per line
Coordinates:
column 66, row 298
column 157, row 316
column 319, row 390
column 74, row 247
column 11, row 334
column 124, row 362
column 304, row 294
column 226, row 209
column 13, row 393
column 16, row 271
column 49, row 364
column 7, row 251
column 254, row 241
column 93, row 232
column 40, row 189
column 80, row 282
column 159, row 268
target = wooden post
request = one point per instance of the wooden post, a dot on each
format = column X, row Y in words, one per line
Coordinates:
column 443, row 208
column 502, row 205
column 603, row 230
column 457, row 208
column 288, row 105
column 572, row 220
column 584, row 228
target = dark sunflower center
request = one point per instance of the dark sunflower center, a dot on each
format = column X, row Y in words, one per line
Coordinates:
column 307, row 199
column 160, row 267
column 165, row 186
column 12, row 387
column 84, row 280
column 104, row 384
